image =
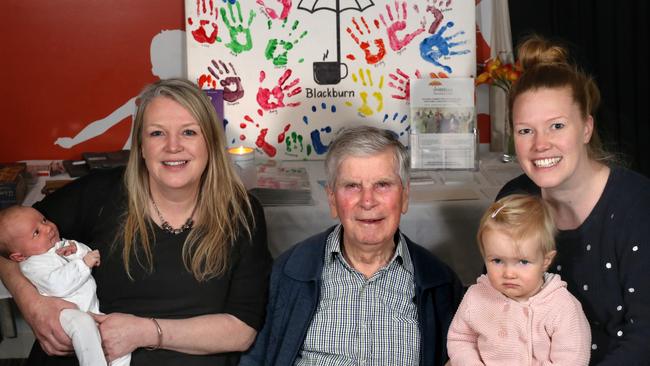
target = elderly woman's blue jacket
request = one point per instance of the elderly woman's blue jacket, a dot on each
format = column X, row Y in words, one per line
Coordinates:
column 295, row 290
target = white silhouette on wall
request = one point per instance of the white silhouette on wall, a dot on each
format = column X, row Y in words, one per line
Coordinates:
column 167, row 54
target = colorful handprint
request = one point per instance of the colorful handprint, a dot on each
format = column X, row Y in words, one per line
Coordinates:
column 272, row 13
column 237, row 29
column 394, row 119
column 436, row 8
column 206, row 81
column 317, row 141
column 206, row 30
column 230, row 82
column 316, row 135
column 294, row 143
column 401, row 83
column 398, row 24
column 277, row 49
column 278, row 92
column 366, row 81
column 359, row 36
column 260, row 141
column 269, row 149
column 437, row 46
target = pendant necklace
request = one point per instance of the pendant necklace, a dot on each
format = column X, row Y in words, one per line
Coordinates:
column 168, row 228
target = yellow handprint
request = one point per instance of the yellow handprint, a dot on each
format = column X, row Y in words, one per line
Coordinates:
column 365, row 78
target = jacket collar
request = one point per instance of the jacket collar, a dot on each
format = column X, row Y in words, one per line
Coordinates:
column 429, row 270
column 305, row 262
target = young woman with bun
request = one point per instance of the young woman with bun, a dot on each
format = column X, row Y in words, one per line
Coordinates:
column 602, row 210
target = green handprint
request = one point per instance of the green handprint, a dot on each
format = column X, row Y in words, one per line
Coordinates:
column 277, row 49
column 366, row 80
column 294, row 142
column 236, row 29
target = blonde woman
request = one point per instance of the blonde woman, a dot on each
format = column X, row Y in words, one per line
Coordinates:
column 602, row 210
column 185, row 262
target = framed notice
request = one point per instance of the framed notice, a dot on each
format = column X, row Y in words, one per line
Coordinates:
column 443, row 124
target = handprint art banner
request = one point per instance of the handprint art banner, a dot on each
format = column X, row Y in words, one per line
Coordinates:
column 293, row 72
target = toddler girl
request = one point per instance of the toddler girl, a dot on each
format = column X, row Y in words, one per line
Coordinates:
column 518, row 314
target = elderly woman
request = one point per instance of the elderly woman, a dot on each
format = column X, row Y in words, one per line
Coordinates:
column 183, row 277
column 602, row 211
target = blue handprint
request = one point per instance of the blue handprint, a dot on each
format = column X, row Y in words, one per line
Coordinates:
column 435, row 47
column 397, row 124
column 316, row 141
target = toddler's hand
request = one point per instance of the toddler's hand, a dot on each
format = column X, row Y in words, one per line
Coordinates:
column 92, row 259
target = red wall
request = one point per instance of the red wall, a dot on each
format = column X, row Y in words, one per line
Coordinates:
column 66, row 63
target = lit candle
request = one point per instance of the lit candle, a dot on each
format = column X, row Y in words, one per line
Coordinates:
column 241, row 154
column 244, row 160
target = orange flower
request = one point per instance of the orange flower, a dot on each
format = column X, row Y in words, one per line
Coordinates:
column 499, row 74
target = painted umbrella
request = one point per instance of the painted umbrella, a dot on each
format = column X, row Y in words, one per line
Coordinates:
column 337, row 6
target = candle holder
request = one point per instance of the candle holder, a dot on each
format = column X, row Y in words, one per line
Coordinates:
column 243, row 159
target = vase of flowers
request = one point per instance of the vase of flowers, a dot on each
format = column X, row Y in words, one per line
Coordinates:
column 502, row 75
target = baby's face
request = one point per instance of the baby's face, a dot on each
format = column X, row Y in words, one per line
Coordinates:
column 32, row 233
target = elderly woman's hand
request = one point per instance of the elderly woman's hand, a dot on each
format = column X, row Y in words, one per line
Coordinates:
column 42, row 315
column 123, row 333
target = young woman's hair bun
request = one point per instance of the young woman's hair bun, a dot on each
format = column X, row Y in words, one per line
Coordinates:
column 536, row 50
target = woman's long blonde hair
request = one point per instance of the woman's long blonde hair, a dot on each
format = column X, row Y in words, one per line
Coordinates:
column 223, row 210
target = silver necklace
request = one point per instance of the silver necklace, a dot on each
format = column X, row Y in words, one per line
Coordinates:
column 168, row 228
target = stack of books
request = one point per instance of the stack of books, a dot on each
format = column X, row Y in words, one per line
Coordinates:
column 280, row 186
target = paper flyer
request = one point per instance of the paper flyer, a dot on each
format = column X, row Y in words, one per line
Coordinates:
column 443, row 124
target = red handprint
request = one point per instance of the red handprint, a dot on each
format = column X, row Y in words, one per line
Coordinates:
column 286, row 7
column 264, row 95
column 402, row 83
column 398, row 25
column 434, row 7
column 371, row 58
column 207, row 17
column 206, row 81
